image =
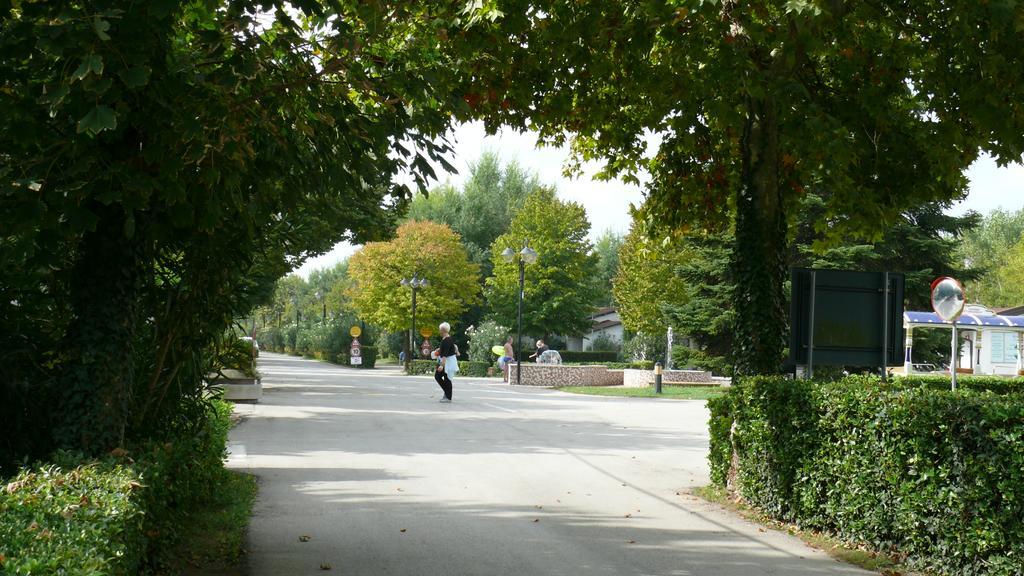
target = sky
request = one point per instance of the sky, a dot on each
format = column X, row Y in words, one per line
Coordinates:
column 607, row 203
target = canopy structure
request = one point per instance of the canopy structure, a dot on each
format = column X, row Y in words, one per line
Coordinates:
column 995, row 342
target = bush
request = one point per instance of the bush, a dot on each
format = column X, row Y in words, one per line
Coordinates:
column 635, row 365
column 605, row 343
column 937, row 475
column 483, row 337
column 368, row 353
column 589, row 356
column 473, row 369
column 112, row 516
column 684, row 357
column 419, row 367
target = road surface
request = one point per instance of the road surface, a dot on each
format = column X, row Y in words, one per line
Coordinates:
column 366, row 473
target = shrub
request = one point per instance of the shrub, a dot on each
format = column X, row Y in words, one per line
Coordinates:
column 937, row 475
column 368, row 353
column 635, row 365
column 684, row 357
column 111, row 516
column 473, row 369
column 588, row 356
column 418, row 367
column 605, row 343
column 85, row 519
column 483, row 337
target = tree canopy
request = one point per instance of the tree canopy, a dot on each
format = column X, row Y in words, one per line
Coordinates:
column 990, row 248
column 161, row 163
column 646, row 280
column 756, row 103
column 427, row 250
column 559, row 292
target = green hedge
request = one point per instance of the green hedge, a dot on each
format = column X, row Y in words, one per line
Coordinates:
column 473, row 369
column 112, row 516
column 934, row 474
column 467, row 368
column 369, row 354
column 588, row 356
column 635, row 365
column 418, row 367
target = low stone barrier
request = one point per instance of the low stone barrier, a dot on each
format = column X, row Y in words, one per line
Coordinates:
column 644, row 378
column 562, row 375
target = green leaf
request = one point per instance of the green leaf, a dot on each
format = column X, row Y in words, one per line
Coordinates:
column 136, row 76
column 91, row 63
column 101, row 26
column 98, row 119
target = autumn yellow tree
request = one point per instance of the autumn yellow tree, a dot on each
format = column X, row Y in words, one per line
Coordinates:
column 424, row 249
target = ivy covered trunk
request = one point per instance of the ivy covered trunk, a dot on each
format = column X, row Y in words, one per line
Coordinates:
column 759, row 257
column 98, row 357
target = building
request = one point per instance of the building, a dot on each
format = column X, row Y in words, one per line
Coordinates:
column 992, row 343
column 604, row 321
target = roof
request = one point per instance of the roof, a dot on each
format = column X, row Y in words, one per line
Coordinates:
column 1015, row 311
column 604, row 324
column 994, row 320
column 604, row 310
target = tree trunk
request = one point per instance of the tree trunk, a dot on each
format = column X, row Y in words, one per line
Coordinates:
column 759, row 256
column 98, row 350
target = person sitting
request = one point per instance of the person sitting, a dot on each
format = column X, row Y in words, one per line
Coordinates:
column 541, row 348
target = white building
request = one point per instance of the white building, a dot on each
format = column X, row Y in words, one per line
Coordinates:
column 993, row 341
column 604, row 321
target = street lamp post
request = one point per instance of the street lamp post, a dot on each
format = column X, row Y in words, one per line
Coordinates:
column 525, row 256
column 415, row 283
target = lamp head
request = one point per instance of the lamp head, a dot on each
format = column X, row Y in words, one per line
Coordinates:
column 405, row 282
column 528, row 255
column 508, row 254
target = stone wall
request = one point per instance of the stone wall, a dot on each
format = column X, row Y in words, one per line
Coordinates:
column 562, row 375
column 645, row 378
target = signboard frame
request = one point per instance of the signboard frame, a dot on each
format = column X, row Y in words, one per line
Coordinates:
column 846, row 318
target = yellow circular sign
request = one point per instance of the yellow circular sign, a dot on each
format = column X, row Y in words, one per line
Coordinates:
column 426, row 331
column 355, row 332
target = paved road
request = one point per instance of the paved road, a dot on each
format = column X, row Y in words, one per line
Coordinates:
column 386, row 481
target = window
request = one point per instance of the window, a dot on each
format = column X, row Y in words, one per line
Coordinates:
column 1003, row 346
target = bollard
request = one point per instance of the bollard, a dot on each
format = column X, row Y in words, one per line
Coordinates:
column 657, row 378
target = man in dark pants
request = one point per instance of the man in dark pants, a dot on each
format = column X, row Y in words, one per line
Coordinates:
column 447, row 362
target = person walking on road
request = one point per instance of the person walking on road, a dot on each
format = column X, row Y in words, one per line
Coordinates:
column 447, row 362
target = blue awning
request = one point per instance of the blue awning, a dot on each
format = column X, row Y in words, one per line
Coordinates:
column 993, row 321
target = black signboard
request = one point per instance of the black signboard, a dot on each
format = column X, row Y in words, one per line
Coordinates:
column 846, row 318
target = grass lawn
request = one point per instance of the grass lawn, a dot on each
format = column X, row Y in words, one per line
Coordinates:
column 674, row 392
column 213, row 539
column 861, row 556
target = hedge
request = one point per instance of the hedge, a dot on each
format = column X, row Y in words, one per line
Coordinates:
column 369, row 354
column 467, row 368
column 934, row 474
column 114, row 515
column 588, row 356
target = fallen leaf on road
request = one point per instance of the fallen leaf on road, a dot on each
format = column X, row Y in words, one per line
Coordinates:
column 399, row 489
column 630, row 541
column 536, row 519
column 629, row 515
column 760, row 530
column 304, row 538
column 623, row 483
column 325, row 566
column 402, row 530
column 539, row 507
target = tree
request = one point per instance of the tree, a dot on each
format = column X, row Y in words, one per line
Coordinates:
column 161, row 163
column 607, row 251
column 755, row 103
column 559, row 292
column 646, row 281
column 988, row 248
column 1011, row 276
column 483, row 209
column 424, row 249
